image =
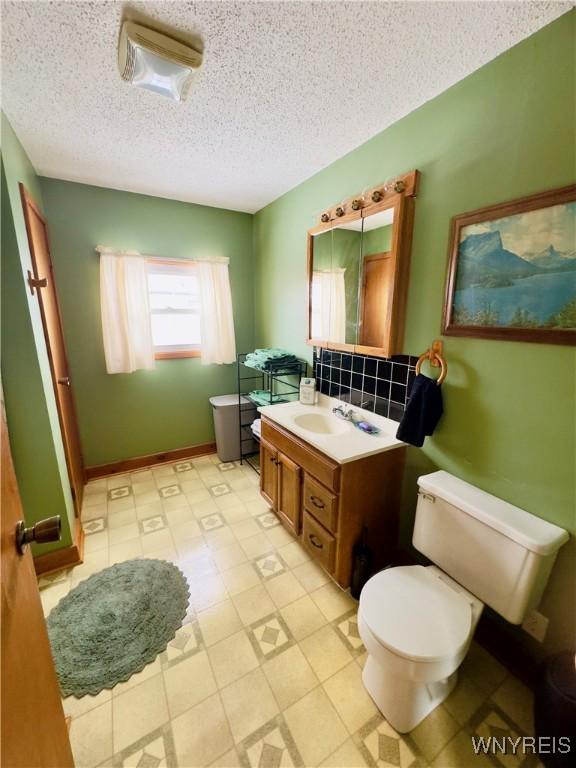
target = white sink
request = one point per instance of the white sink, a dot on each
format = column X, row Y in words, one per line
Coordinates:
column 321, row 424
column 335, row 437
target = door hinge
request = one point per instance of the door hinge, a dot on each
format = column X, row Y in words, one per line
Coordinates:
column 33, row 282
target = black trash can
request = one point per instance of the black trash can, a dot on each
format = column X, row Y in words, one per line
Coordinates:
column 555, row 711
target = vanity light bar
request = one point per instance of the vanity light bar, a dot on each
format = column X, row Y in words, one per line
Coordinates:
column 406, row 184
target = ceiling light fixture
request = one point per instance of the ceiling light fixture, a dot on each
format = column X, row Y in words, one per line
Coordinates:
column 156, row 62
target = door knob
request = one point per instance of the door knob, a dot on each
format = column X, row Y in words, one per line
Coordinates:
column 43, row 531
column 64, row 380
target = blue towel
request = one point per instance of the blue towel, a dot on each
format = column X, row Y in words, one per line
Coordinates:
column 423, row 411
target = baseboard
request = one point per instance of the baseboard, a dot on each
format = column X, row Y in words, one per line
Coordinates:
column 139, row 462
column 62, row 558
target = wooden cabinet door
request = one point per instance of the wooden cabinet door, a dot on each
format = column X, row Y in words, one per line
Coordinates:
column 33, row 729
column 269, row 473
column 289, row 492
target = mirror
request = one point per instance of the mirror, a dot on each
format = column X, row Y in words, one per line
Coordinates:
column 357, row 278
column 375, row 278
column 335, row 283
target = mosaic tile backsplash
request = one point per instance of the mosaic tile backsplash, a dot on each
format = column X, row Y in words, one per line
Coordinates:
column 381, row 385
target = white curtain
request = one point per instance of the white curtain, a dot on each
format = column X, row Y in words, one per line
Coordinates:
column 125, row 309
column 331, row 290
column 216, row 318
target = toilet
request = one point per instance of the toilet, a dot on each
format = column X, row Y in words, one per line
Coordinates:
column 417, row 622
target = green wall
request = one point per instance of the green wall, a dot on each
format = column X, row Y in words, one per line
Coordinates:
column 377, row 240
column 126, row 415
column 509, row 426
column 31, row 414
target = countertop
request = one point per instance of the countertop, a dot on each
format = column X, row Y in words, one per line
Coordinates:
column 351, row 443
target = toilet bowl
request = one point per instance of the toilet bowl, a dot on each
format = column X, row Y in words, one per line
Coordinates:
column 417, row 622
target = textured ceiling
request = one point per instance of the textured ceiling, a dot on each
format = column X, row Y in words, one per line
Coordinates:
column 286, row 87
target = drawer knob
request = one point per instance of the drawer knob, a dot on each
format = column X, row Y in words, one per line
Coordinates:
column 315, row 541
column 318, row 503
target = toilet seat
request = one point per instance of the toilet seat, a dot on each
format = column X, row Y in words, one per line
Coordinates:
column 415, row 614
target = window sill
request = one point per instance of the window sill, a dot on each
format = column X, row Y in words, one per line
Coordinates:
column 176, row 355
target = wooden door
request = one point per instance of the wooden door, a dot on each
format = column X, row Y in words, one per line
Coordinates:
column 269, row 473
column 43, row 285
column 289, row 497
column 376, row 278
column 34, row 733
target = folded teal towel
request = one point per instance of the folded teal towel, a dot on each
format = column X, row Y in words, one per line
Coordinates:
column 265, row 397
column 279, row 362
column 268, row 359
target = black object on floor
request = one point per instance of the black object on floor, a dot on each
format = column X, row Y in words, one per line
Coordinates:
column 362, row 563
column 423, row 411
column 555, row 711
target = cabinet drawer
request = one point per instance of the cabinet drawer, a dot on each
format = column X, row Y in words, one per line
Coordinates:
column 321, row 503
column 318, row 542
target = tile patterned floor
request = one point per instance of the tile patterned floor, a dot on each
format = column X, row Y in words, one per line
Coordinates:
column 266, row 668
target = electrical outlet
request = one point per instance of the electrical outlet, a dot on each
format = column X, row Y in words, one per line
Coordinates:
column 536, row 624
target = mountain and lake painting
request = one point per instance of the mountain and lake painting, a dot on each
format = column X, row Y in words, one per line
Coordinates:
column 516, row 272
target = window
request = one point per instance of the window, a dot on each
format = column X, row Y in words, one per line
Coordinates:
column 174, row 295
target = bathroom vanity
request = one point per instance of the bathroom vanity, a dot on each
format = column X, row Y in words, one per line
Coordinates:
column 326, row 480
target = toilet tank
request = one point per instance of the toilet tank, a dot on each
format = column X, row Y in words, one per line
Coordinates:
column 499, row 552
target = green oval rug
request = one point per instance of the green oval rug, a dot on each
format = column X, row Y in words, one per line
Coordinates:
column 114, row 623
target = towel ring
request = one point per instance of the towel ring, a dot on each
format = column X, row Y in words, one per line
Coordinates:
column 431, row 355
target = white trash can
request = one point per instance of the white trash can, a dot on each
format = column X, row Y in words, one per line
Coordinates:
column 226, row 426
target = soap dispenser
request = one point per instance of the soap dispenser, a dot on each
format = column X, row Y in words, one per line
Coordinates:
column 307, row 391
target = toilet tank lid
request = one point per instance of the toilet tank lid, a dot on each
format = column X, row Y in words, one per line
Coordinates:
column 526, row 529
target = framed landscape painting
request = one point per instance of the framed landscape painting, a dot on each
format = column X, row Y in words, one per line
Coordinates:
column 512, row 270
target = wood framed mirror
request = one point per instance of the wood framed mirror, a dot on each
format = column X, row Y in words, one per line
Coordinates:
column 358, row 270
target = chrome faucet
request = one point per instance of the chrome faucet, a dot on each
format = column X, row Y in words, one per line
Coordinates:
column 343, row 412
